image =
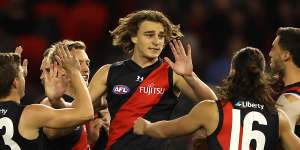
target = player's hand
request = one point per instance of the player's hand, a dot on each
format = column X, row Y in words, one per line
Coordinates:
column 139, row 126
column 183, row 62
column 54, row 84
column 106, row 119
column 66, row 60
column 19, row 51
column 94, row 129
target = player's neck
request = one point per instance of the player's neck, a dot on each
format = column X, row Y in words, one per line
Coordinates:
column 143, row 61
column 291, row 75
column 11, row 97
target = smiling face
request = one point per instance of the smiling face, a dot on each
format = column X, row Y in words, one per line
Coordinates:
column 150, row 40
column 277, row 62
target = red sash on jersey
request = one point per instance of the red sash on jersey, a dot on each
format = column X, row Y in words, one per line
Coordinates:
column 224, row 135
column 138, row 104
column 82, row 143
column 225, row 131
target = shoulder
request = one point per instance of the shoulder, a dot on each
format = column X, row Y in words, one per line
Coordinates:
column 206, row 108
column 102, row 72
column 292, row 97
column 104, row 68
column 287, row 98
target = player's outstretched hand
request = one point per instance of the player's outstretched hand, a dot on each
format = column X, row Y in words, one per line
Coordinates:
column 54, row 85
column 183, row 62
column 66, row 60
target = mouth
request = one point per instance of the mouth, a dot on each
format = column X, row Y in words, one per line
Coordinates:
column 85, row 77
column 154, row 50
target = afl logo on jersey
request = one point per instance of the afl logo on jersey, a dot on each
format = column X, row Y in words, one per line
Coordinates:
column 121, row 89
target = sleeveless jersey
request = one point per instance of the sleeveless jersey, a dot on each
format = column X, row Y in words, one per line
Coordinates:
column 294, row 89
column 76, row 140
column 134, row 92
column 244, row 123
column 10, row 138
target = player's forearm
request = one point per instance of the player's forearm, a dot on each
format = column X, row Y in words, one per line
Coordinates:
column 200, row 89
column 161, row 129
column 82, row 98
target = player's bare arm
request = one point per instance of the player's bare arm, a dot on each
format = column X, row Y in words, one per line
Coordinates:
column 289, row 140
column 37, row 116
column 97, row 86
column 203, row 115
column 290, row 104
column 56, row 133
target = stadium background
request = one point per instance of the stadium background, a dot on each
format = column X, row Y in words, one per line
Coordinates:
column 215, row 28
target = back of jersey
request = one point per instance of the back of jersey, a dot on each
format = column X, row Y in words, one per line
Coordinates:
column 244, row 124
column 10, row 138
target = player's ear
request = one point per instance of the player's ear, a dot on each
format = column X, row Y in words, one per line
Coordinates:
column 134, row 39
column 286, row 55
column 14, row 83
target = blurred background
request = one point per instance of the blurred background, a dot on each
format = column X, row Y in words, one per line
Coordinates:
column 215, row 28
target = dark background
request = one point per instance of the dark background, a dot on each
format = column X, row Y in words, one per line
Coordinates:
column 215, row 28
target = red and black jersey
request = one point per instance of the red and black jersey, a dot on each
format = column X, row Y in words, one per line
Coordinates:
column 77, row 138
column 244, row 124
column 134, row 92
column 10, row 138
column 295, row 89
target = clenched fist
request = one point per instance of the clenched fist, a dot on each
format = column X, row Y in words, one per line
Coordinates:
column 140, row 125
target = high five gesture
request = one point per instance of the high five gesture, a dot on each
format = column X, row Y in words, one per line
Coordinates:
column 183, row 62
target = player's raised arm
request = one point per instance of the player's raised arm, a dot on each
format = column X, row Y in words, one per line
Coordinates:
column 82, row 107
